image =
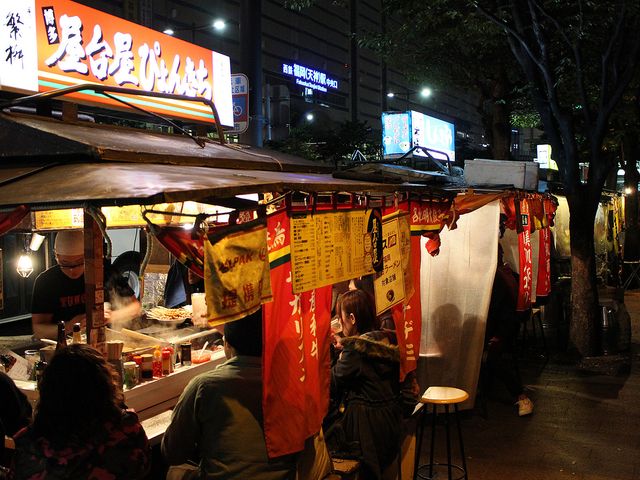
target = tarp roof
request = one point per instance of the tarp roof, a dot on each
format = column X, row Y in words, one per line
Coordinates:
column 48, row 163
column 44, row 139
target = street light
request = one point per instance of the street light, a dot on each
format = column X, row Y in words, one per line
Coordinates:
column 310, row 117
column 219, row 24
column 424, row 92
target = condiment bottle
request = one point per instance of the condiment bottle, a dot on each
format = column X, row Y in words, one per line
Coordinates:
column 39, row 368
column 77, row 336
column 185, row 353
column 138, row 361
column 147, row 366
column 157, row 363
column 166, row 361
column 62, row 336
column 130, row 375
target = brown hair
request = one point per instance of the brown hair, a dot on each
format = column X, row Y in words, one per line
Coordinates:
column 360, row 304
column 78, row 394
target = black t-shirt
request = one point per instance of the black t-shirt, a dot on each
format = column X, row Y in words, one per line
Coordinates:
column 54, row 292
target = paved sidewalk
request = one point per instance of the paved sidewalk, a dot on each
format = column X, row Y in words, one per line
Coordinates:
column 585, row 426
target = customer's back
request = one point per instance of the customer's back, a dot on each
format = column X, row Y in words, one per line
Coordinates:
column 219, row 419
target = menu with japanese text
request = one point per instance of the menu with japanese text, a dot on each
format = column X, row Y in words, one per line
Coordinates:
column 329, row 247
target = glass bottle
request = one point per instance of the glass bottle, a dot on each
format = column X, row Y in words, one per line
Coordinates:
column 157, row 363
column 62, row 336
column 77, row 335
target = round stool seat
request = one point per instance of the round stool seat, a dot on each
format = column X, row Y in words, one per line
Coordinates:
column 444, row 395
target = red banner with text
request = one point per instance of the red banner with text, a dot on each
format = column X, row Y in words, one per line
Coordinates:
column 543, row 285
column 523, row 228
column 296, row 362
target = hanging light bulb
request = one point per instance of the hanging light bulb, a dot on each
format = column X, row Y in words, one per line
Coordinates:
column 25, row 265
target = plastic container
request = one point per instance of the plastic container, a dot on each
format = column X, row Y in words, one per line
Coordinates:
column 146, row 368
column 200, row 356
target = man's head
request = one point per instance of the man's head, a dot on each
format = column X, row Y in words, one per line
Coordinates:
column 69, row 252
column 245, row 335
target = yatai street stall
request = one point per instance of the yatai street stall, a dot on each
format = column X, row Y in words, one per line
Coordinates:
column 302, row 232
column 121, row 176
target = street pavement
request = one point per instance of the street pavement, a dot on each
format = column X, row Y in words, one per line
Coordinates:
column 585, row 426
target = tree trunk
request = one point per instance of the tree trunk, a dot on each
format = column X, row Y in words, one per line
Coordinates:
column 501, row 132
column 584, row 293
column 500, row 121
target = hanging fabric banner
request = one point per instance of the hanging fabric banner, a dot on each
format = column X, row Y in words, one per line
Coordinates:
column 543, row 285
column 236, row 272
column 523, row 227
column 188, row 245
column 13, row 218
column 296, row 363
column 182, row 244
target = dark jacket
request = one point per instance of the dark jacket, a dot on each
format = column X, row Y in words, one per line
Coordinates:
column 366, row 380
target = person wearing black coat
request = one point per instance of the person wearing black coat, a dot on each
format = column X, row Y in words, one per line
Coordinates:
column 365, row 386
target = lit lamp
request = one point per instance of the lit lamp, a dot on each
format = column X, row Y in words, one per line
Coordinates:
column 25, row 265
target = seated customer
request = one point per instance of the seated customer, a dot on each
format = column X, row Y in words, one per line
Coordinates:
column 80, row 430
column 15, row 412
column 365, row 380
column 218, row 421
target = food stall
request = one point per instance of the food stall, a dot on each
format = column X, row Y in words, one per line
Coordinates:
column 318, row 229
column 98, row 177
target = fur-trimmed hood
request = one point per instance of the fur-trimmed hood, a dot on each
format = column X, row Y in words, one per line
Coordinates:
column 373, row 345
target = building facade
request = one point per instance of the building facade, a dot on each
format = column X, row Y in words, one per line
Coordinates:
column 310, row 67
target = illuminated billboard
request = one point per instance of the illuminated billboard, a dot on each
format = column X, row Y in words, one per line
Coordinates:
column 55, row 44
column 403, row 130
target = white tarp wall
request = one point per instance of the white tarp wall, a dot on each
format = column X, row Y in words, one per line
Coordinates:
column 455, row 292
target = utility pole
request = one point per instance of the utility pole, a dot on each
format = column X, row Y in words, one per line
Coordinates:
column 353, row 24
column 251, row 65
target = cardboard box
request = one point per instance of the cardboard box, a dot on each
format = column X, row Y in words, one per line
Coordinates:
column 485, row 172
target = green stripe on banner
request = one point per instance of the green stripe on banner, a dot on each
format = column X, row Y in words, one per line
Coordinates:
column 280, row 261
column 138, row 101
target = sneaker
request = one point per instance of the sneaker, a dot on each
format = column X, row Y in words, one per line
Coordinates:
column 525, row 406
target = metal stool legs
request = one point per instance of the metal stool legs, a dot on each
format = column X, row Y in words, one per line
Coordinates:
column 432, row 464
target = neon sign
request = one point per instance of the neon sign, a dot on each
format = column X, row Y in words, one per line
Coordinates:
column 58, row 43
column 308, row 77
column 403, row 130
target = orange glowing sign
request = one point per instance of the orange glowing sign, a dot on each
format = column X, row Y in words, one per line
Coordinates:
column 51, row 44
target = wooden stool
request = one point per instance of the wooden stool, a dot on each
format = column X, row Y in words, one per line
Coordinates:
column 440, row 396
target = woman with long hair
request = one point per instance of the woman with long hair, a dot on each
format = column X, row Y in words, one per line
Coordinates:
column 80, row 429
column 365, row 380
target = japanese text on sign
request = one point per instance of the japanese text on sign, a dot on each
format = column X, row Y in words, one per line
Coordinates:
column 18, row 57
column 236, row 275
column 308, row 77
column 116, row 58
column 389, row 287
column 59, row 43
column 329, row 247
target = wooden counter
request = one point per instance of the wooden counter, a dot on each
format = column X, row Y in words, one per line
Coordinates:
column 153, row 397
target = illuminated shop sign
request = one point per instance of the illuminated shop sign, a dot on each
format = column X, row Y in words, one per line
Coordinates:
column 308, row 77
column 50, row 44
column 403, row 130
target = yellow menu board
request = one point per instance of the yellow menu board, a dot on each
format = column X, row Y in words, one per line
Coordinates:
column 329, row 247
column 126, row 216
column 58, row 219
column 394, row 283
